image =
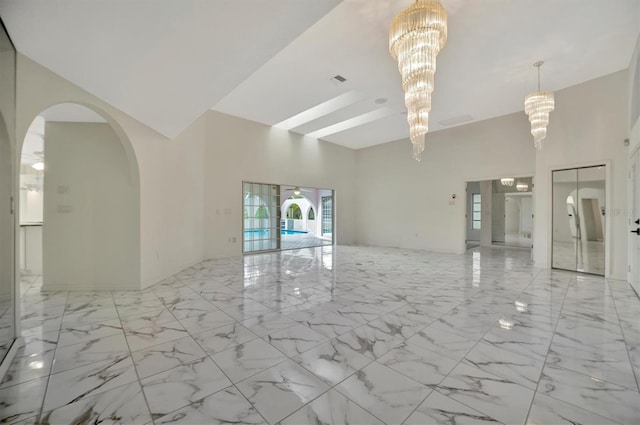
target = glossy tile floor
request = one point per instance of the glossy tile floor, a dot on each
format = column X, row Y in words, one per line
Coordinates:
column 334, row 335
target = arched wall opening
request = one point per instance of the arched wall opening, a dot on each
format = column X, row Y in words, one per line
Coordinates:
column 89, row 196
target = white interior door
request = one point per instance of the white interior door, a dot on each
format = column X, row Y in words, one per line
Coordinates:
column 634, row 223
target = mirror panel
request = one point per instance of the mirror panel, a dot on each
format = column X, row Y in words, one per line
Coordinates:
column 7, row 225
column 565, row 224
column 579, row 219
column 590, row 202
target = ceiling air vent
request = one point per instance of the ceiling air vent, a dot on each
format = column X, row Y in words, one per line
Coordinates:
column 456, row 120
column 339, row 78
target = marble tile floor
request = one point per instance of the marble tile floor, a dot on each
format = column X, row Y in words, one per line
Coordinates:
column 334, row 335
column 299, row 241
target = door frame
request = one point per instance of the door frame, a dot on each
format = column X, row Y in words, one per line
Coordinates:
column 607, row 217
column 631, row 248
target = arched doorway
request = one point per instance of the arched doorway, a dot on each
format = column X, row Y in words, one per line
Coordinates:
column 80, row 200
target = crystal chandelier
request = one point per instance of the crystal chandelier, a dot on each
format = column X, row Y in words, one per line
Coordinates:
column 538, row 105
column 508, row 181
column 416, row 36
column 522, row 187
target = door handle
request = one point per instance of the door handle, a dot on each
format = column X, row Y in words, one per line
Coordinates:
column 637, row 222
column 637, row 231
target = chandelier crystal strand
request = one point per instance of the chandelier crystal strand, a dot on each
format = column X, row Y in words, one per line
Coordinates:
column 416, row 36
column 538, row 106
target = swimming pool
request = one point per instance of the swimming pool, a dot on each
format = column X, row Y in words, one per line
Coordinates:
column 259, row 232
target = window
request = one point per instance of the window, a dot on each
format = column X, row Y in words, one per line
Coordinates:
column 311, row 215
column 261, row 211
column 476, row 211
column 294, row 212
column 327, row 215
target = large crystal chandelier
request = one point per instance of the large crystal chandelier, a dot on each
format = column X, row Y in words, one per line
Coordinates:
column 507, row 181
column 538, row 105
column 416, row 36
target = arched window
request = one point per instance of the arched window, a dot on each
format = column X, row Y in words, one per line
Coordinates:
column 262, row 212
column 311, row 215
column 294, row 212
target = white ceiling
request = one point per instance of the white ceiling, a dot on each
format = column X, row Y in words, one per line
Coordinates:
column 485, row 70
column 165, row 62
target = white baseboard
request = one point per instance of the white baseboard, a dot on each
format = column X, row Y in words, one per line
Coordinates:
column 152, row 281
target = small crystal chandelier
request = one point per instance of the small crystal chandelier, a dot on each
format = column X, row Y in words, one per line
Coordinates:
column 522, row 187
column 538, row 105
column 507, row 181
column 416, row 36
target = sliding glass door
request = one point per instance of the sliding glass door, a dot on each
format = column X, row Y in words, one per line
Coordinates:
column 261, row 211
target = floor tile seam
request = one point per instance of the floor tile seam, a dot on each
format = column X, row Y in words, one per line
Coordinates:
column 309, row 403
column 432, row 386
column 335, row 387
column 93, row 396
column 499, row 377
column 88, row 340
column 46, row 389
column 544, row 364
column 464, row 403
column 135, row 368
column 316, row 345
column 286, row 359
column 606, row 381
column 38, row 410
column 633, row 369
column 209, row 355
column 580, row 408
column 210, row 395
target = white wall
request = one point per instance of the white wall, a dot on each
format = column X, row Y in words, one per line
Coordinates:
column 237, row 150
column 171, row 172
column 31, row 201
column 389, row 178
column 498, row 213
column 91, row 226
column 588, row 127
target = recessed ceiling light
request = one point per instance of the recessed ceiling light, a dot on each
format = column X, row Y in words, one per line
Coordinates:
column 320, row 110
column 352, row 122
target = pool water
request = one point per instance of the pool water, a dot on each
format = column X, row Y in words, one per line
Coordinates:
column 256, row 232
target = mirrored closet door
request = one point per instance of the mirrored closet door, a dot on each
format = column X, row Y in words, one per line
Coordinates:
column 579, row 219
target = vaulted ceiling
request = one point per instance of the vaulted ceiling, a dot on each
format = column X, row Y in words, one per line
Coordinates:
column 165, row 62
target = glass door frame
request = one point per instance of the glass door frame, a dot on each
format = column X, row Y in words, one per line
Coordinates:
column 277, row 227
column 280, row 214
column 607, row 218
